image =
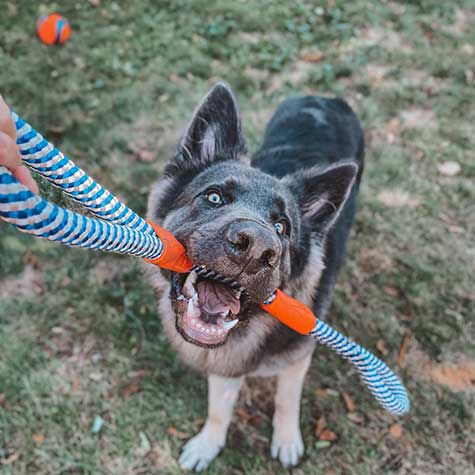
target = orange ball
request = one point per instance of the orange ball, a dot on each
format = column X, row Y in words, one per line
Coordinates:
column 53, row 29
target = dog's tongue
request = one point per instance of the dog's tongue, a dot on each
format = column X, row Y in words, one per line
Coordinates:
column 216, row 298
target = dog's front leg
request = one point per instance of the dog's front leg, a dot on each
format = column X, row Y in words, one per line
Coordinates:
column 205, row 446
column 287, row 444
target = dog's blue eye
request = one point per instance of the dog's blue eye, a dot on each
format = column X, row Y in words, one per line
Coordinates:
column 214, row 197
column 280, row 227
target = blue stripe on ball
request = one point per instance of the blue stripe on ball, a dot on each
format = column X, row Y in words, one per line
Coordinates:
column 59, row 30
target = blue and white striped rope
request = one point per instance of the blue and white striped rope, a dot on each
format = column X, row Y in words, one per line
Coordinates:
column 381, row 381
column 117, row 229
column 59, row 170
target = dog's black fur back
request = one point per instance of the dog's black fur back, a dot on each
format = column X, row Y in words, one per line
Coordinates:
column 308, row 131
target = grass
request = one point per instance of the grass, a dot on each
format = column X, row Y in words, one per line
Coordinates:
column 79, row 334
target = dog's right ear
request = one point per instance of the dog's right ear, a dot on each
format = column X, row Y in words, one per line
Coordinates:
column 214, row 134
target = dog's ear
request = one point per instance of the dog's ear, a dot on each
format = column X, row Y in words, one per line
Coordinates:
column 322, row 192
column 214, row 133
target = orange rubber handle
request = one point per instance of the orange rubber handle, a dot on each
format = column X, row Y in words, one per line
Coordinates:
column 291, row 313
column 173, row 256
column 286, row 309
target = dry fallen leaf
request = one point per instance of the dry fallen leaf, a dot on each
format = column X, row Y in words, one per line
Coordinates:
column 403, row 349
column 349, row 403
column 3, row 400
column 391, row 291
column 355, row 417
column 38, row 438
column 328, row 435
column 312, row 56
column 129, row 389
column 381, row 347
column 395, row 431
column 321, row 424
column 145, row 155
column 11, row 459
column 321, row 392
column 449, row 168
column 174, row 432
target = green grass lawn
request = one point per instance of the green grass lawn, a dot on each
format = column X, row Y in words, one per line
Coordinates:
column 79, row 333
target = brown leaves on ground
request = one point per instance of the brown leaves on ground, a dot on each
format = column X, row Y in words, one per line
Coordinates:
column 456, row 371
column 174, row 432
column 250, row 417
column 404, row 346
column 132, row 386
column 458, row 376
column 381, row 346
column 321, row 425
column 38, row 439
column 395, row 431
column 328, row 435
column 312, row 56
column 323, row 432
column 349, row 403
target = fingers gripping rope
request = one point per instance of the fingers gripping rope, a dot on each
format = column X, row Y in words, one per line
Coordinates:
column 116, row 228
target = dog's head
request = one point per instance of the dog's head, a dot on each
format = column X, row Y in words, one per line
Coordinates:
column 248, row 230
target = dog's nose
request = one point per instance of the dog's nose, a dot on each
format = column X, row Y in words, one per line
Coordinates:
column 253, row 242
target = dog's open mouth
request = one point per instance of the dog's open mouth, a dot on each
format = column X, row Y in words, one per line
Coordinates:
column 209, row 305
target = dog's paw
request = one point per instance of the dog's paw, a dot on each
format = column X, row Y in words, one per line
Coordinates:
column 199, row 452
column 287, row 449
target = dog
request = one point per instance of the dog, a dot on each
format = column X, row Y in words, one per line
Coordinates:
column 279, row 219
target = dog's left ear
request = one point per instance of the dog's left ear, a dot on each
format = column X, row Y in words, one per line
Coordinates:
column 214, row 133
column 322, row 193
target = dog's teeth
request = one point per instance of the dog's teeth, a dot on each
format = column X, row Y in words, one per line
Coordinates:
column 228, row 325
column 181, row 298
column 189, row 285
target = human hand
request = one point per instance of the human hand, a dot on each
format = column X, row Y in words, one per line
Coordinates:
column 9, row 153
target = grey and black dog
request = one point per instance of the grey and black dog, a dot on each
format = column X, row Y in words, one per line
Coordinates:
column 280, row 219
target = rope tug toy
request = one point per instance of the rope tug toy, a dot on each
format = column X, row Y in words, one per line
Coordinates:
column 116, row 228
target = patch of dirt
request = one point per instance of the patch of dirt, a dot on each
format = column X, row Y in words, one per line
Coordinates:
column 386, row 38
column 376, row 73
column 374, row 261
column 456, row 372
column 105, row 270
column 28, row 283
column 458, row 376
column 397, row 198
column 464, row 20
column 161, row 456
column 419, row 119
column 296, row 75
